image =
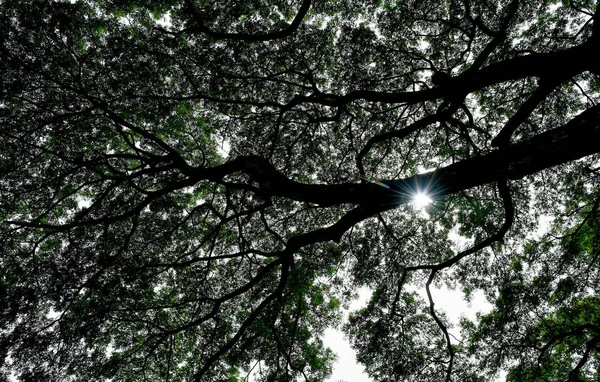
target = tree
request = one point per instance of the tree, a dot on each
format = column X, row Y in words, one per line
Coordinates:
column 193, row 190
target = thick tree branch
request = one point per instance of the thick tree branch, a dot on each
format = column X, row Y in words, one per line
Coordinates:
column 590, row 345
column 538, row 96
column 574, row 140
column 596, row 23
column 573, row 61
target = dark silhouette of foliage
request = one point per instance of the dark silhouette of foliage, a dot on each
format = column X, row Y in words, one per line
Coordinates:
column 194, row 190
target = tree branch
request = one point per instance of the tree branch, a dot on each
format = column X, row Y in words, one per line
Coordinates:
column 291, row 28
column 440, row 324
column 572, row 60
column 538, row 96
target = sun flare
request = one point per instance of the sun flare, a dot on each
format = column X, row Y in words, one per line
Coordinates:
column 421, row 200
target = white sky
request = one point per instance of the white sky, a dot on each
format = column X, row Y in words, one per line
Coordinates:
column 346, row 368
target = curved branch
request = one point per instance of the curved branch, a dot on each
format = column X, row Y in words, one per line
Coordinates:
column 498, row 36
column 291, row 28
column 247, row 322
column 578, row 331
column 401, row 134
column 590, row 345
column 441, row 325
column 509, row 212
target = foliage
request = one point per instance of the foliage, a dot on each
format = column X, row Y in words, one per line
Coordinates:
column 194, row 190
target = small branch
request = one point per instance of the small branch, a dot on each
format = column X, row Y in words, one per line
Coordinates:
column 291, row 28
column 246, row 324
column 509, row 212
column 401, row 134
column 498, row 36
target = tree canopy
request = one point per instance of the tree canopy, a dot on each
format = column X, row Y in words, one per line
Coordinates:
column 193, row 190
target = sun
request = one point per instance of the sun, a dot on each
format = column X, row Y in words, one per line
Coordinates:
column 421, row 200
